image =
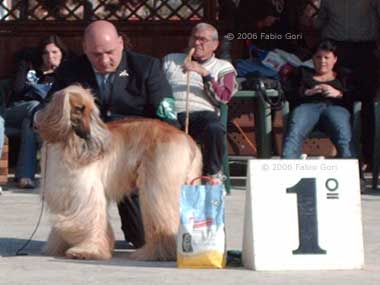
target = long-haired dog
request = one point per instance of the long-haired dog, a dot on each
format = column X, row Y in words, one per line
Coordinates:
column 87, row 163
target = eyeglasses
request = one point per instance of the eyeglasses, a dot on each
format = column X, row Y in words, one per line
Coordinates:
column 202, row 40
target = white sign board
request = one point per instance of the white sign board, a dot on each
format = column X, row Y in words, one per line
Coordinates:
column 303, row 214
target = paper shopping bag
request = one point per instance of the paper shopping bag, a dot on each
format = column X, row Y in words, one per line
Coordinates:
column 201, row 241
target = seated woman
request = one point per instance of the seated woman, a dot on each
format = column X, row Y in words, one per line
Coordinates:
column 33, row 79
column 319, row 100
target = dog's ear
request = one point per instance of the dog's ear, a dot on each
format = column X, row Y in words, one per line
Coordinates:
column 53, row 121
column 81, row 107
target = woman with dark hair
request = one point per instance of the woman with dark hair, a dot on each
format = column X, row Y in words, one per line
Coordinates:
column 319, row 100
column 34, row 77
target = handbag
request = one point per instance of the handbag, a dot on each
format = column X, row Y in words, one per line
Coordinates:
column 201, row 241
column 261, row 84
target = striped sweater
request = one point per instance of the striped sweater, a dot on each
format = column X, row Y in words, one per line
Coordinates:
column 206, row 93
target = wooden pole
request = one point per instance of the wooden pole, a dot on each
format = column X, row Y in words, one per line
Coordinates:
column 188, row 60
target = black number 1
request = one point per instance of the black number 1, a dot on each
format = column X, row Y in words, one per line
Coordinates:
column 307, row 217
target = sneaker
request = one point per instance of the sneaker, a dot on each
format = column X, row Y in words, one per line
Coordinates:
column 26, row 183
column 1, row 190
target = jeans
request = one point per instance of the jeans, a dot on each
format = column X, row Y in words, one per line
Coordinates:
column 206, row 128
column 18, row 116
column 332, row 119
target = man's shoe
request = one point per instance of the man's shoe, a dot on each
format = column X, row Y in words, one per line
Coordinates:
column 26, row 183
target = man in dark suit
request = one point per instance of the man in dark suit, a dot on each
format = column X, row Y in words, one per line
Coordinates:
column 124, row 83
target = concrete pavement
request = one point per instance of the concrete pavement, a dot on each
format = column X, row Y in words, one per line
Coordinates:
column 19, row 211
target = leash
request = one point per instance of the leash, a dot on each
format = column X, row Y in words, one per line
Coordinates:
column 20, row 252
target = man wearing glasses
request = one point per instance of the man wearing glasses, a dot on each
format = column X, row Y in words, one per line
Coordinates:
column 212, row 82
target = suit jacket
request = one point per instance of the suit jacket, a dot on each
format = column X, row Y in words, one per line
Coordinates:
column 138, row 87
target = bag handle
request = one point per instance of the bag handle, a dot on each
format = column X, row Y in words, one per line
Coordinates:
column 275, row 103
column 208, row 178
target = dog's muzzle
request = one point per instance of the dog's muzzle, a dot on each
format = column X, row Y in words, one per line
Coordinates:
column 80, row 131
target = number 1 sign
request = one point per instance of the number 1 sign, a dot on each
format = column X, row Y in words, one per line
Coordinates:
column 303, row 214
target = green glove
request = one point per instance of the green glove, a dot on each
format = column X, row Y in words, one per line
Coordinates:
column 166, row 109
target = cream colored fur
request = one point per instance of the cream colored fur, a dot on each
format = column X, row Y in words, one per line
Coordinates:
column 105, row 163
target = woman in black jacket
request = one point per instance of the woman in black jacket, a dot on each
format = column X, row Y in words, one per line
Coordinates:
column 34, row 77
column 320, row 99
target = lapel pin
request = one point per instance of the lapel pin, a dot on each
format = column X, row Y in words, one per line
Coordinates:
column 124, row 73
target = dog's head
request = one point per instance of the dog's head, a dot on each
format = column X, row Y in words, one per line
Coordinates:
column 72, row 120
column 72, row 111
column 81, row 107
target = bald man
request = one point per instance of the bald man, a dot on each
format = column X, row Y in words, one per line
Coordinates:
column 135, row 83
column 124, row 83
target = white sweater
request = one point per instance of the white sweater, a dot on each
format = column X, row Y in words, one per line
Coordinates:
column 201, row 97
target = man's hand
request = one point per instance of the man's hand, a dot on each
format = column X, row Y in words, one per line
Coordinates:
column 196, row 67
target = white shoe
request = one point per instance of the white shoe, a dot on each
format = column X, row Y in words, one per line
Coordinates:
column 1, row 190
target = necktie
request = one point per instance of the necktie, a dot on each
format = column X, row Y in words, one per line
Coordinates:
column 105, row 88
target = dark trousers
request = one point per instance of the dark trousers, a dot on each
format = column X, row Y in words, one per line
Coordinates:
column 360, row 58
column 131, row 220
column 130, row 215
column 206, row 128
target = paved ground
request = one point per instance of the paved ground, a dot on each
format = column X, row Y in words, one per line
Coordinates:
column 19, row 211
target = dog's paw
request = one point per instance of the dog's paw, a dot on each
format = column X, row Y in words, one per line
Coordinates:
column 142, row 255
column 151, row 254
column 50, row 251
column 75, row 253
column 86, row 254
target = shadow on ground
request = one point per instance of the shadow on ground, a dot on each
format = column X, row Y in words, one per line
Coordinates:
column 10, row 246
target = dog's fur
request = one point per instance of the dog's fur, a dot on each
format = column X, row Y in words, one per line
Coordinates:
column 87, row 163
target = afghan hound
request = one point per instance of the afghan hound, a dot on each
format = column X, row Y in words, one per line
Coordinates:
column 87, row 163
